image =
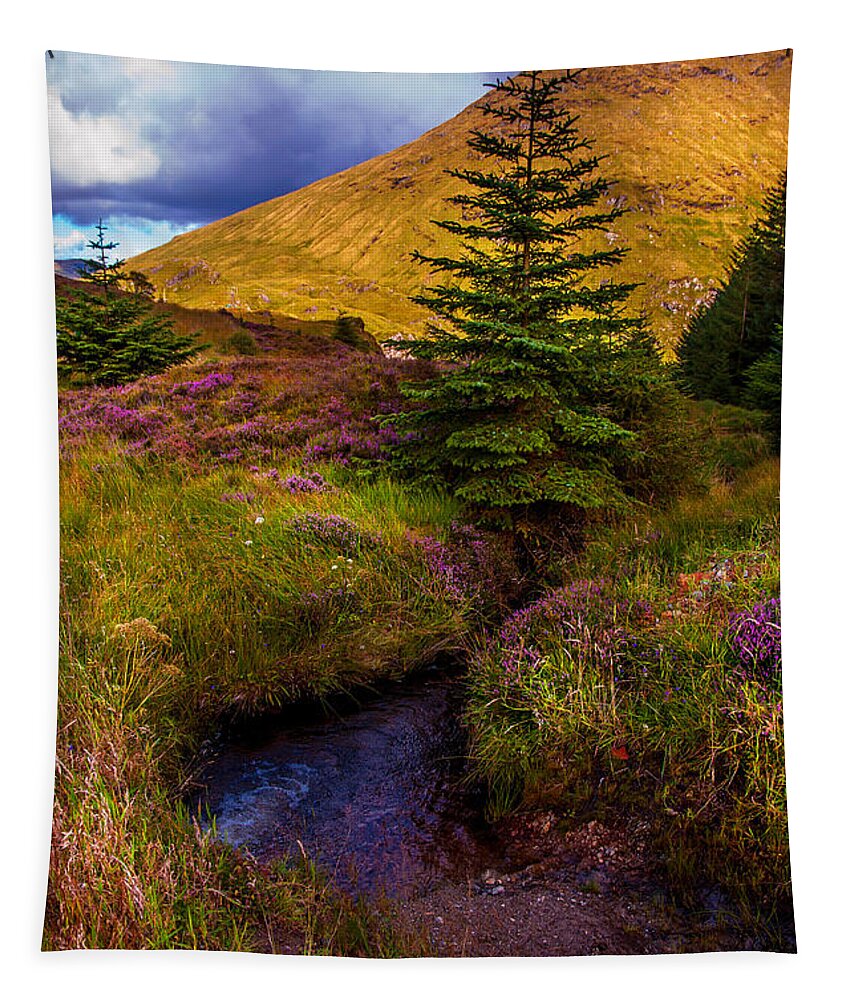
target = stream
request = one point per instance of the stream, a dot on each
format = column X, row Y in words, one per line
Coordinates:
column 371, row 790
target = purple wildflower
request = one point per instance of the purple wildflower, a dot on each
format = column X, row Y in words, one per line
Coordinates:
column 332, row 531
column 203, row 387
column 311, row 483
column 755, row 638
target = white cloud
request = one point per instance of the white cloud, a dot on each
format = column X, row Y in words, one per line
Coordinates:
column 137, row 235
column 87, row 149
column 69, row 244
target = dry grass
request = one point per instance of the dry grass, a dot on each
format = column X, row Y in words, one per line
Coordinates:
column 691, row 146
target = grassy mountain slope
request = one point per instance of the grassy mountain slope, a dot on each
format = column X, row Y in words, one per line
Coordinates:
column 692, row 149
column 218, row 328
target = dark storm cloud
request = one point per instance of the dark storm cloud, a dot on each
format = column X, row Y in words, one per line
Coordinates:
column 190, row 143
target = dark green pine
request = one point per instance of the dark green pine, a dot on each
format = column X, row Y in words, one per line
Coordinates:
column 528, row 323
column 110, row 339
column 723, row 341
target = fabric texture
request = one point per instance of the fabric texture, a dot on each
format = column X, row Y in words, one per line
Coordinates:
column 419, row 466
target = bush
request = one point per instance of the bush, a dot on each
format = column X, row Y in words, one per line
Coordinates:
column 114, row 338
column 655, row 690
column 349, row 330
column 241, row 342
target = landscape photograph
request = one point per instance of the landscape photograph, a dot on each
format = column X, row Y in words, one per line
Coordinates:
column 419, row 500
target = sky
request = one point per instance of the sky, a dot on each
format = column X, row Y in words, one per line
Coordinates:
column 157, row 148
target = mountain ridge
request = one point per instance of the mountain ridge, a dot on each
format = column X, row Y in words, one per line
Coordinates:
column 691, row 149
column 68, row 267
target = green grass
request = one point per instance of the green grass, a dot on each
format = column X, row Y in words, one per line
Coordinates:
column 171, row 623
column 633, row 699
column 234, row 594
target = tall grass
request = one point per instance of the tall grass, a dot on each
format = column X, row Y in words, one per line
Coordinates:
column 191, row 597
column 632, row 687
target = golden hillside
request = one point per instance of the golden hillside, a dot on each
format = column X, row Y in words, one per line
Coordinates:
column 692, row 147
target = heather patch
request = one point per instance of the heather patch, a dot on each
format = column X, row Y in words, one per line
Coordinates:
column 656, row 683
column 474, row 567
column 754, row 635
column 313, row 482
column 204, row 387
column 248, row 410
column 111, row 419
column 550, row 681
column 237, row 497
column 332, row 532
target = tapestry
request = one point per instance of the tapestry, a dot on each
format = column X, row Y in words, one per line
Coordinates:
column 419, row 446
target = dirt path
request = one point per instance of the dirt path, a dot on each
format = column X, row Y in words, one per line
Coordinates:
column 588, row 892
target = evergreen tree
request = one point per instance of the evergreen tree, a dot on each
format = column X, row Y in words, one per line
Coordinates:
column 141, row 284
column 536, row 410
column 112, row 338
column 98, row 269
column 349, row 330
column 762, row 388
column 723, row 341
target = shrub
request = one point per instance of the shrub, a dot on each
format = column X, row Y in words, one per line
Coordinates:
column 241, row 342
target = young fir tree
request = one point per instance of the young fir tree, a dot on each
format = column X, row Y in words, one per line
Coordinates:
column 98, row 269
column 724, row 340
column 544, row 383
column 140, row 284
column 112, row 338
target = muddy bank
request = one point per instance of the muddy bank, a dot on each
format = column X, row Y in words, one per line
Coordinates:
column 585, row 890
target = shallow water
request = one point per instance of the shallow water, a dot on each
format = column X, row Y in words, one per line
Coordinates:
column 372, row 792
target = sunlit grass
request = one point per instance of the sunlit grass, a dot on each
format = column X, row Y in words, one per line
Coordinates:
column 182, row 606
column 637, row 698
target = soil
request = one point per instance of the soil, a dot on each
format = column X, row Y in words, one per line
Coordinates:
column 588, row 891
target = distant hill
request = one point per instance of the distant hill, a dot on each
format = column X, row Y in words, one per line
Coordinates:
column 692, row 148
column 216, row 328
column 68, row 268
